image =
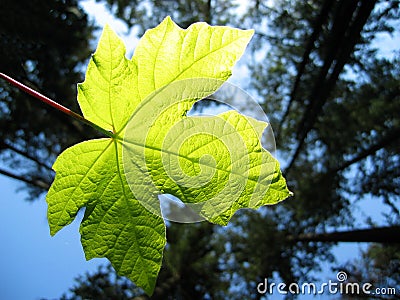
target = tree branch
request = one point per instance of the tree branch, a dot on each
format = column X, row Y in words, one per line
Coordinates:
column 371, row 235
column 322, row 17
column 35, row 182
column 5, row 145
column 324, row 87
column 388, row 139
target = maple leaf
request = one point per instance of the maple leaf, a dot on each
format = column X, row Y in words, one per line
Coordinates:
column 154, row 148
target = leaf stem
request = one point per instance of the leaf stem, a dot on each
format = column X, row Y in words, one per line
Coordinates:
column 54, row 104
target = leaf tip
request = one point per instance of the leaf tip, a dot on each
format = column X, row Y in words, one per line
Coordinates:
column 107, row 27
column 168, row 19
column 169, row 22
column 53, row 229
column 248, row 34
column 109, row 32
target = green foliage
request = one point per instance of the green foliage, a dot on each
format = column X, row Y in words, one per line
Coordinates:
column 42, row 44
column 108, row 176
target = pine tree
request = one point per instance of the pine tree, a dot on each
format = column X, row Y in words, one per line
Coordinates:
column 42, row 44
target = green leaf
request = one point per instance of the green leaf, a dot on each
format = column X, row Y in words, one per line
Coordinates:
column 156, row 148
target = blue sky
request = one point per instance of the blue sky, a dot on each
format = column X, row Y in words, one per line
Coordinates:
column 35, row 265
